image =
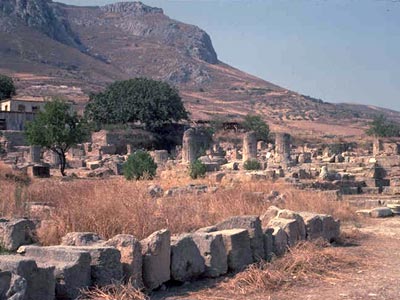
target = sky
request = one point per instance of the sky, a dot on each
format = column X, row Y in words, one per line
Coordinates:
column 335, row 50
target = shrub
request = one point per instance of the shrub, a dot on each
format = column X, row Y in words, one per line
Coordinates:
column 197, row 169
column 139, row 165
column 252, row 164
column 381, row 127
column 7, row 88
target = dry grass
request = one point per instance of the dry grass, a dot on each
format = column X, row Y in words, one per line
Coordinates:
column 306, row 261
column 116, row 291
column 114, row 206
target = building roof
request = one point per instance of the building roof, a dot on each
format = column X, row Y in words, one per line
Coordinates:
column 25, row 99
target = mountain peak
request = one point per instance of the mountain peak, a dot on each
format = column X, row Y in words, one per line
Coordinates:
column 132, row 8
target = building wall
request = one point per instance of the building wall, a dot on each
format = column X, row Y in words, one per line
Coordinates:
column 22, row 106
column 14, row 120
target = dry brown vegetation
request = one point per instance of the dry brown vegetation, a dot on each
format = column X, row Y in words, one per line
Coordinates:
column 306, row 261
column 116, row 291
column 114, row 206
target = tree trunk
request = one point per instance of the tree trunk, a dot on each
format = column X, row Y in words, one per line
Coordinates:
column 62, row 163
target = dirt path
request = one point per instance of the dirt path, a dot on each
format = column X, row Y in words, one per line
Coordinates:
column 377, row 277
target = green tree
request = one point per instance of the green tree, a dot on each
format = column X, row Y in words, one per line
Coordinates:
column 256, row 123
column 381, row 127
column 139, row 165
column 153, row 103
column 7, row 88
column 57, row 128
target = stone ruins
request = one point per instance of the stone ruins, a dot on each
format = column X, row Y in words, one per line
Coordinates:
column 84, row 259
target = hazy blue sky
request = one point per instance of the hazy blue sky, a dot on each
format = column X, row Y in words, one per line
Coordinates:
column 336, row 50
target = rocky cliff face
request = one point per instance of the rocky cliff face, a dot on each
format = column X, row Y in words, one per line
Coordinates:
column 42, row 15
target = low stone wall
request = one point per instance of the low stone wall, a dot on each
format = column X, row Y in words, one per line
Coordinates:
column 84, row 259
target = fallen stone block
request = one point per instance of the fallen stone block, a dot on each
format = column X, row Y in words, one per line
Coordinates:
column 381, row 212
column 72, row 267
column 40, row 282
column 186, row 260
column 291, row 227
column 156, row 251
column 131, row 257
column 12, row 286
column 80, row 239
column 15, row 233
column 237, row 247
column 253, row 226
column 105, row 264
column 212, row 249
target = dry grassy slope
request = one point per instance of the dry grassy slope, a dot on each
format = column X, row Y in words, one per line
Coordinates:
column 129, row 40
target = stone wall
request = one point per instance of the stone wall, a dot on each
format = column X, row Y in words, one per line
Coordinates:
column 84, row 259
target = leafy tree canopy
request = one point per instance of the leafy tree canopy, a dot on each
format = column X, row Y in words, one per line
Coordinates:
column 56, row 128
column 256, row 123
column 381, row 127
column 7, row 88
column 153, row 103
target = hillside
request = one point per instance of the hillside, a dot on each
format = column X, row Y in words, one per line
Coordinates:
column 52, row 48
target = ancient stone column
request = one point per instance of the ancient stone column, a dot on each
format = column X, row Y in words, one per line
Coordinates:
column 34, row 154
column 282, row 148
column 54, row 159
column 377, row 147
column 249, row 146
column 160, row 157
column 189, row 150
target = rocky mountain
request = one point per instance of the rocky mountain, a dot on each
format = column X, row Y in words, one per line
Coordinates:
column 55, row 48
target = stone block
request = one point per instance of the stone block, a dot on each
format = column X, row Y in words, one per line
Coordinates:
column 292, row 228
column 131, row 257
column 279, row 241
column 12, row 286
column 212, row 249
column 93, row 165
column 40, row 282
column 381, row 212
column 268, row 243
column 38, row 171
column 105, row 264
column 313, row 223
column 269, row 214
column 72, row 267
column 288, row 214
column 237, row 247
column 156, row 251
column 330, row 228
column 76, row 163
column 80, row 239
column 187, row 262
column 15, row 233
column 253, row 226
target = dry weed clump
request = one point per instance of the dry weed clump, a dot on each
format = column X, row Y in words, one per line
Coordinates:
column 114, row 206
column 306, row 261
column 116, row 291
